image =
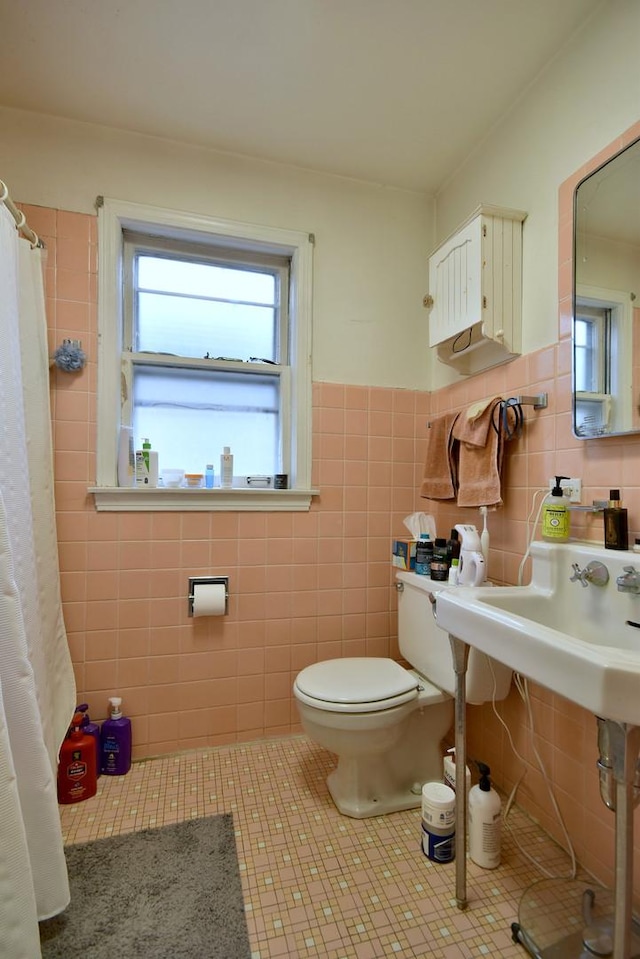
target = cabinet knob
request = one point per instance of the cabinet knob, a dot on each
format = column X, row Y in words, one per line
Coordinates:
column 427, row 301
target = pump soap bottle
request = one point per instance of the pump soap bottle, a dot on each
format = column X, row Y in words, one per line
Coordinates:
column 485, row 821
column 115, row 741
column 556, row 518
column 616, row 523
column 77, row 765
column 90, row 729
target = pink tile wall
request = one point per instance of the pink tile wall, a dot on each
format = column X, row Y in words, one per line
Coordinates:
column 303, row 586
column 565, row 734
column 309, row 586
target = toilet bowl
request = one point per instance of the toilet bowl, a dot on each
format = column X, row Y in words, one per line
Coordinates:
column 384, row 722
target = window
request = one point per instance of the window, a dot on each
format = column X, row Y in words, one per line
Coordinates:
column 592, row 336
column 204, row 343
column 602, row 353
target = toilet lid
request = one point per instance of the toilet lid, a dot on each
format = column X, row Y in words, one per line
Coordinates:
column 356, row 684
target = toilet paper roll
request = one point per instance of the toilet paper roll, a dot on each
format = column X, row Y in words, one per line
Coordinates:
column 209, row 599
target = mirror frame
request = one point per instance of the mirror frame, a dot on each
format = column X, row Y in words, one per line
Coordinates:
column 620, row 303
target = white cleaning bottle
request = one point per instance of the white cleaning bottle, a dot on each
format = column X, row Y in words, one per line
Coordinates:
column 449, row 770
column 485, row 822
column 126, row 457
column 226, row 468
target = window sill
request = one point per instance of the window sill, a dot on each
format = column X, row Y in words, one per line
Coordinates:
column 120, row 499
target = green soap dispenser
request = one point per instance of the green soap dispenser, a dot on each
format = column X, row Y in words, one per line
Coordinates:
column 556, row 518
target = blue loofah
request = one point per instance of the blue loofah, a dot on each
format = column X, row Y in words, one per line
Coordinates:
column 69, row 357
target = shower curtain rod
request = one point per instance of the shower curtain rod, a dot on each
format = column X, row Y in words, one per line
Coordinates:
column 18, row 216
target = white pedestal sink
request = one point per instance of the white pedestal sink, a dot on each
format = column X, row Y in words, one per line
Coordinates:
column 575, row 629
column 583, row 643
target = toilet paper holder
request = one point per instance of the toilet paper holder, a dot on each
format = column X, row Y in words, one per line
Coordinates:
column 206, row 580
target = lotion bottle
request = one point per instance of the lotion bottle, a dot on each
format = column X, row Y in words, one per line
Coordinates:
column 142, row 464
column 115, row 741
column 226, row 468
column 485, row 821
column 556, row 517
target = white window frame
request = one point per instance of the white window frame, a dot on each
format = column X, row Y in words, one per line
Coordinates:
column 116, row 216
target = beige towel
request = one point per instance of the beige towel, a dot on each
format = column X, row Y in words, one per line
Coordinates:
column 440, row 478
column 473, row 411
column 479, row 458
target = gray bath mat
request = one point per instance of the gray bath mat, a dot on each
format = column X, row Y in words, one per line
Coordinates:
column 167, row 893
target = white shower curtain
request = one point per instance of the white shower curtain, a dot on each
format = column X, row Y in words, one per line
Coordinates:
column 37, row 689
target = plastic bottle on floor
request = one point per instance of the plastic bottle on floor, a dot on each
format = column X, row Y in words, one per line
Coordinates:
column 115, row 741
column 77, row 779
column 485, row 822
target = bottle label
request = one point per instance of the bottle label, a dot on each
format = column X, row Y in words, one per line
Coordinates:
column 556, row 522
column 438, row 848
column 110, row 753
column 76, row 769
column 142, row 468
column 423, row 558
column 439, row 570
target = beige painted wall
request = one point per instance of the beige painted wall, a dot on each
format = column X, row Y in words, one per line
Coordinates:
column 372, row 243
column 589, row 95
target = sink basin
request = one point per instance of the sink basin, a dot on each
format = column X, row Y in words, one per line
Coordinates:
column 576, row 641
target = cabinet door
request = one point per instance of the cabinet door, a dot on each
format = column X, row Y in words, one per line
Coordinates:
column 455, row 277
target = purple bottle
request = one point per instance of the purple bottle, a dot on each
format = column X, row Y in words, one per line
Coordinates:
column 90, row 729
column 115, row 741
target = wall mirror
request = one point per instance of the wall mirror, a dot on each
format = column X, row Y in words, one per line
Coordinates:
column 606, row 313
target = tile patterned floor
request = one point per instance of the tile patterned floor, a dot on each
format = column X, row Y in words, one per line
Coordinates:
column 316, row 883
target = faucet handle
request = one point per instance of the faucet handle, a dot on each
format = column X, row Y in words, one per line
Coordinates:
column 578, row 575
column 594, row 572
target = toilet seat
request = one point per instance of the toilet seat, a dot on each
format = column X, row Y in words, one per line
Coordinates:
column 356, row 685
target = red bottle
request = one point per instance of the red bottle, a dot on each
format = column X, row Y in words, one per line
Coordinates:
column 77, row 778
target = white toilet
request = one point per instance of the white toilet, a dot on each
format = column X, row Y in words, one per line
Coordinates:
column 385, row 723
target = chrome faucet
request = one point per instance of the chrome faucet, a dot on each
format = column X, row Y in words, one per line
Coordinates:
column 594, row 572
column 629, row 582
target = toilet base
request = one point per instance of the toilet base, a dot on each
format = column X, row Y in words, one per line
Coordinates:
column 368, row 804
column 375, row 785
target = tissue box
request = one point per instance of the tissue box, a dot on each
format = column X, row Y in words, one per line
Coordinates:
column 404, row 553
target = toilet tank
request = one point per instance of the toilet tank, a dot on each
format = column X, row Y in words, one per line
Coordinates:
column 427, row 648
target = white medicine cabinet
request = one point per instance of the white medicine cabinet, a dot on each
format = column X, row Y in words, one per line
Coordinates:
column 475, row 291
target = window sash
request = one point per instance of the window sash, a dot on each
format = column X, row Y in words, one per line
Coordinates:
column 222, row 411
column 251, row 456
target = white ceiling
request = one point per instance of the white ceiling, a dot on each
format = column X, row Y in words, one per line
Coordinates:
column 393, row 91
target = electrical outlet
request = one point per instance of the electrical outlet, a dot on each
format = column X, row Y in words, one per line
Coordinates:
column 574, row 485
